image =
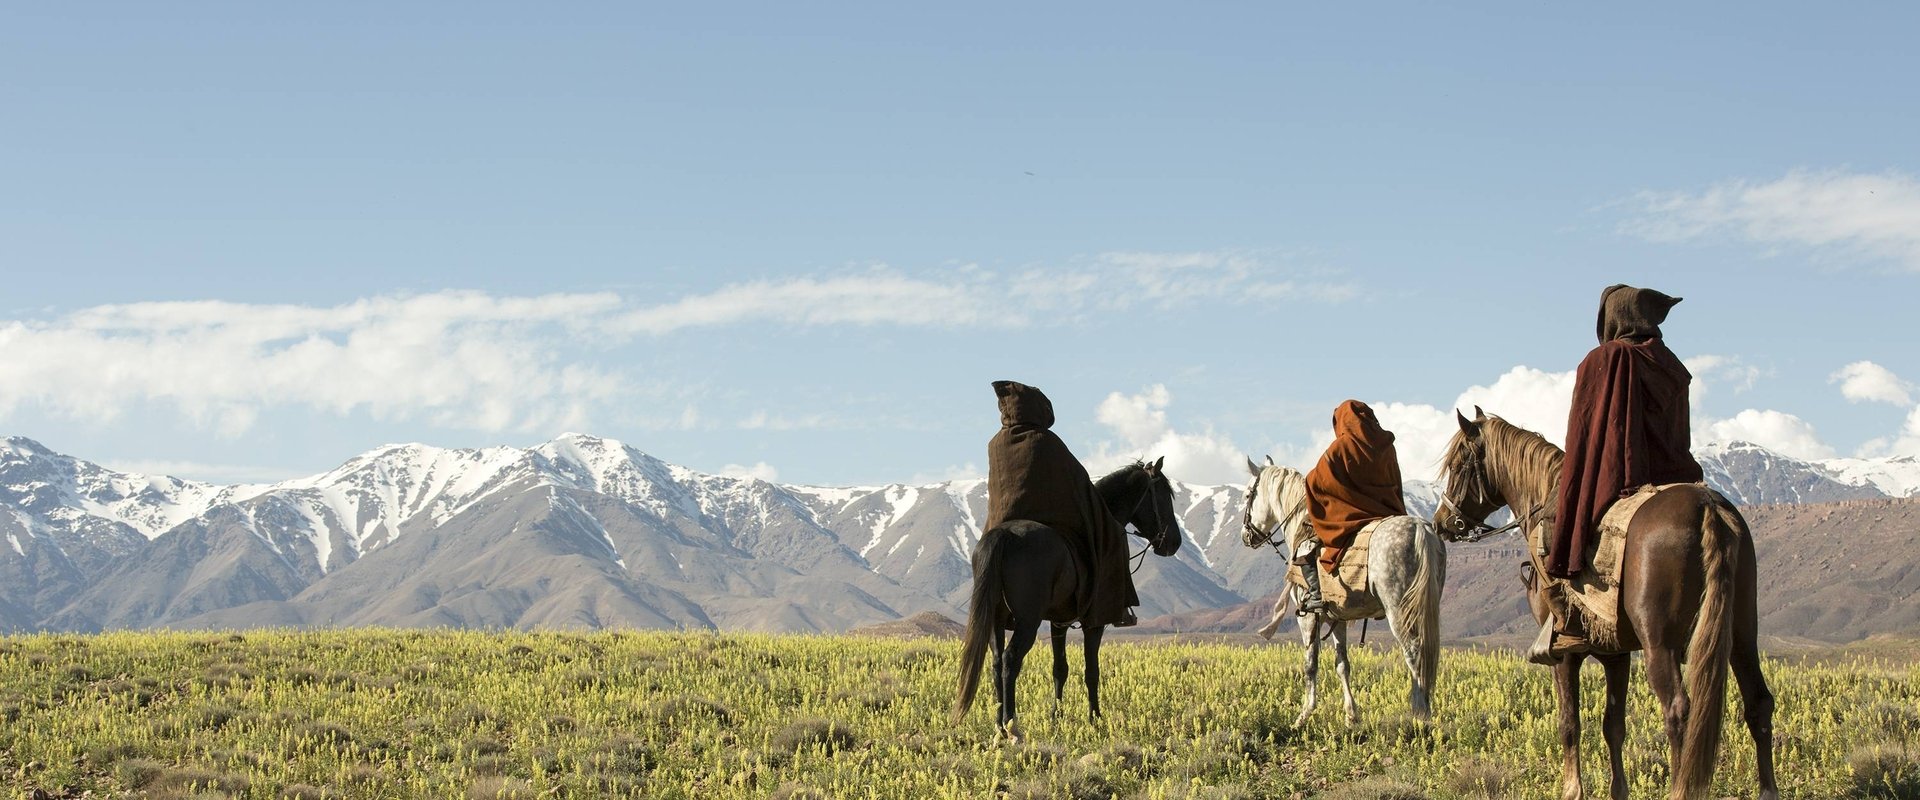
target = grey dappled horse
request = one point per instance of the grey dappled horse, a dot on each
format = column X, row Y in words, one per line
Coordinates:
column 1406, row 569
column 1024, row 573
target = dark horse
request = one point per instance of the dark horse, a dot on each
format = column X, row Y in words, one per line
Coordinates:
column 1024, row 572
column 1686, row 595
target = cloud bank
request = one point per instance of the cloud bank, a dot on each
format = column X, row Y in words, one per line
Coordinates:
column 1864, row 216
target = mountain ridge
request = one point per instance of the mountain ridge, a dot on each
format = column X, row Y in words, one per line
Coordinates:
column 619, row 537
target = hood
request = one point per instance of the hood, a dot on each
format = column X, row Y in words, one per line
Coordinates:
column 1354, row 420
column 1628, row 312
column 1021, row 404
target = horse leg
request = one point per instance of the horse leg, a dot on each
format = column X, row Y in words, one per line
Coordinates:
column 1344, row 668
column 1059, row 666
column 1310, row 637
column 1664, row 673
column 1024, row 632
column 1092, row 644
column 1756, row 700
column 1000, row 676
column 1614, row 724
column 1566, row 689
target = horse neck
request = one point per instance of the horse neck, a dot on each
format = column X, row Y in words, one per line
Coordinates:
column 1120, row 490
column 1525, row 483
column 1274, row 493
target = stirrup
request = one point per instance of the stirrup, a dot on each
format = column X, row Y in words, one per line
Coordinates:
column 1310, row 605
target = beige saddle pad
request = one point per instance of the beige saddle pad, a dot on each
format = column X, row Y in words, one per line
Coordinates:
column 1346, row 590
column 1594, row 594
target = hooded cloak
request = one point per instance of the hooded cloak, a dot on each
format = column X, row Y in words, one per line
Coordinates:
column 1629, row 423
column 1031, row 475
column 1356, row 482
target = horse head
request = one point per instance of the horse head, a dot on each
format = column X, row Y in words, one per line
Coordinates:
column 1469, row 497
column 1275, row 504
column 1154, row 516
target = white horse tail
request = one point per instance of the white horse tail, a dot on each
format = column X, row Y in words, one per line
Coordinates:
column 1419, row 610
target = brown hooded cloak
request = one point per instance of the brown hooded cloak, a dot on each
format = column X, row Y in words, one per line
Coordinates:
column 1628, row 427
column 1031, row 475
column 1356, row 482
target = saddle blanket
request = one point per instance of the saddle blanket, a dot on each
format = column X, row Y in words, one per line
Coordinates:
column 1594, row 594
column 1345, row 591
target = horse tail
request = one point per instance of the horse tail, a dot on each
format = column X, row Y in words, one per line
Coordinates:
column 1419, row 608
column 982, row 617
column 1721, row 532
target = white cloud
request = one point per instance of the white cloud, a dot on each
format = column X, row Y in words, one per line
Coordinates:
column 224, row 474
column 1908, row 442
column 458, row 359
column 878, row 296
column 1530, row 398
column 760, row 470
column 1775, row 430
column 764, row 420
column 958, row 472
column 1140, row 421
column 1862, row 215
column 1729, row 370
column 1866, row 381
column 968, row 296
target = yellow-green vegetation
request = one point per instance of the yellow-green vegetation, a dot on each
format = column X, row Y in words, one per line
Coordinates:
column 444, row 714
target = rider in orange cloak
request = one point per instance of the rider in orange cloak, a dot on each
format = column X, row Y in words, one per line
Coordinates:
column 1356, row 482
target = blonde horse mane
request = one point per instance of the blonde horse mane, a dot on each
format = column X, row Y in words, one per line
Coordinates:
column 1524, row 458
column 1283, row 491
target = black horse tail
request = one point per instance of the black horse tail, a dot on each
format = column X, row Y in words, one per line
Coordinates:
column 982, row 616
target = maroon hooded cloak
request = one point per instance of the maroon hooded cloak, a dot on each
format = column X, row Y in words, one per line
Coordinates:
column 1356, row 482
column 1628, row 427
column 1031, row 475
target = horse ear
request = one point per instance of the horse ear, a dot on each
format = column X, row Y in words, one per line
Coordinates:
column 1478, row 414
column 1252, row 468
column 1269, row 461
column 1467, row 426
column 1159, row 463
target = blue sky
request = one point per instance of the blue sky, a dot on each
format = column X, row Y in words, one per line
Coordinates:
column 249, row 242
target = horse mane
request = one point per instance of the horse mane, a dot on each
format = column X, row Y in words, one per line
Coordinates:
column 1113, row 484
column 1526, row 458
column 1286, row 489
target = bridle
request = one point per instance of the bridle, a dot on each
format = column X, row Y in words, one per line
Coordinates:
column 1472, row 530
column 1252, row 536
column 1160, row 536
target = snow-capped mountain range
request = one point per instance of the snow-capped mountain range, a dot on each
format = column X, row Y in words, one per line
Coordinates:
column 588, row 532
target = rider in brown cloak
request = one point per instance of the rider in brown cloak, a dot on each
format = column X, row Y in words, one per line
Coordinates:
column 1031, row 475
column 1356, row 482
column 1628, row 427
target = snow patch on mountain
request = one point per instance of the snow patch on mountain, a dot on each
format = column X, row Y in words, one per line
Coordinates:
column 1898, row 476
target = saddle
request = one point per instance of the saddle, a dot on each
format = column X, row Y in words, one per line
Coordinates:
column 1345, row 590
column 1590, row 600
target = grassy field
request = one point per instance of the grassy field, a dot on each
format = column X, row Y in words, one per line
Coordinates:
column 376, row 713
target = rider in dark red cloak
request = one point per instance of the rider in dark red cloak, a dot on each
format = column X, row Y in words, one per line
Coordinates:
column 1628, row 427
column 1629, row 424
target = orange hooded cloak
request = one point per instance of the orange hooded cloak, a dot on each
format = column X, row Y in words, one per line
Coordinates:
column 1356, row 482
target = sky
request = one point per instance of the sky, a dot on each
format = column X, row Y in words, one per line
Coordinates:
column 246, row 242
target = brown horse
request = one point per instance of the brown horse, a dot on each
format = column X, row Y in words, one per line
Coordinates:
column 1686, row 596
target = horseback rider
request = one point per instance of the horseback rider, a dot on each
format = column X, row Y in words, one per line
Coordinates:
column 1031, row 475
column 1628, row 428
column 1356, row 482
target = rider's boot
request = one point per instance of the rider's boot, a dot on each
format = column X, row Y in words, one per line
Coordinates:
column 1541, row 651
column 1309, row 564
